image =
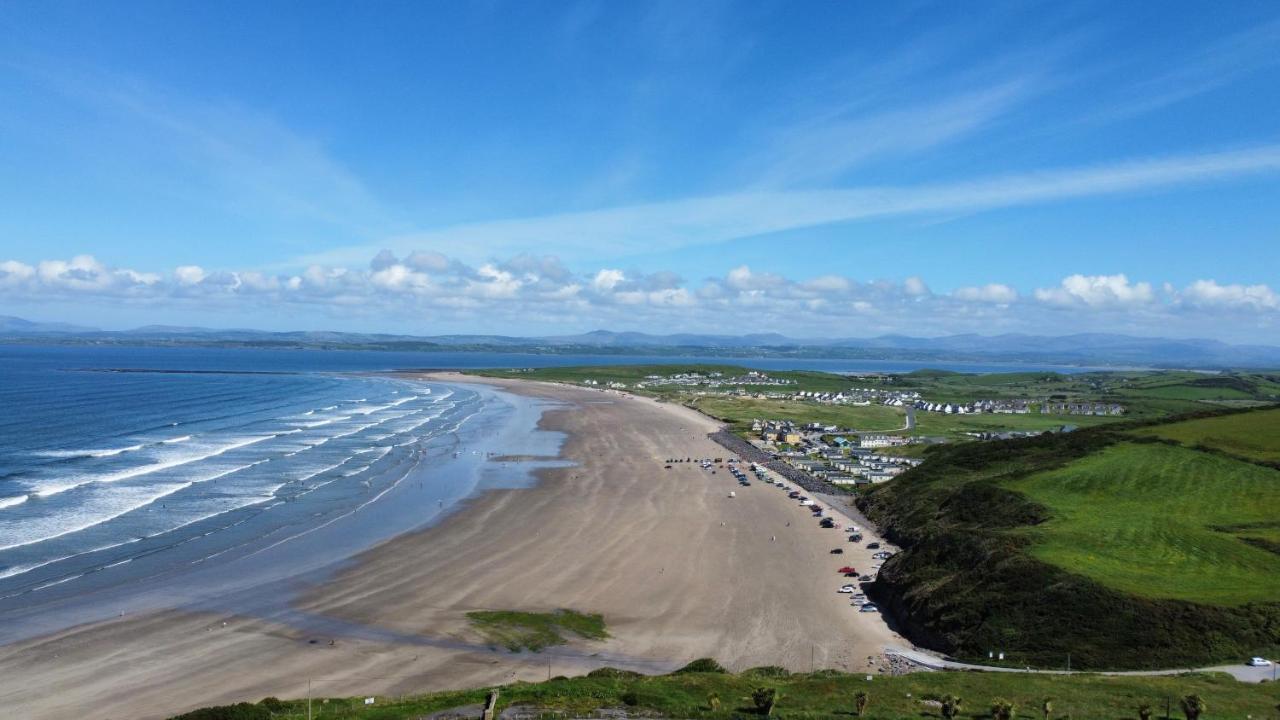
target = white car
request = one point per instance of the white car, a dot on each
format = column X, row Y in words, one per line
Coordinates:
column 860, row 602
column 846, row 589
column 1259, row 662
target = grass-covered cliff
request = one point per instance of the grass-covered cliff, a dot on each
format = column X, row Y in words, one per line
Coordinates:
column 1122, row 546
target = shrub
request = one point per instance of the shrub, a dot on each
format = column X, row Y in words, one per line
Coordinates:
column 767, row 671
column 239, row 711
column 703, row 665
column 764, row 698
column 612, row 672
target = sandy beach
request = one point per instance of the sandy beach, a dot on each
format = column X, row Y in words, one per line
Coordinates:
column 678, row 569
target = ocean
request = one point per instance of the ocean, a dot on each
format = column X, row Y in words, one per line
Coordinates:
column 121, row 464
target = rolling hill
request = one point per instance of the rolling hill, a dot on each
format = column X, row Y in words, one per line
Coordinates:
column 1124, row 546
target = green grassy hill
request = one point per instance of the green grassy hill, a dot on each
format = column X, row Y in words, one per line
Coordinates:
column 822, row 694
column 1112, row 544
column 1150, row 519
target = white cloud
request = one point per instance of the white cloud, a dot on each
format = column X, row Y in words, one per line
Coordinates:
column 1208, row 293
column 915, row 287
column 515, row 294
column 990, row 293
column 189, row 274
column 606, row 280
column 1097, row 291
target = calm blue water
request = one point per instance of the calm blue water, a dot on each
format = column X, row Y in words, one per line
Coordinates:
column 100, row 467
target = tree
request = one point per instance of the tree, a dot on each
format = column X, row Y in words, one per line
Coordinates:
column 860, row 700
column 713, row 701
column 951, row 707
column 1193, row 706
column 1144, row 711
column 764, row 699
column 1046, row 708
column 1001, row 709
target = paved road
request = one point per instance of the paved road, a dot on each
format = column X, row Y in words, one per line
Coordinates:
column 1241, row 672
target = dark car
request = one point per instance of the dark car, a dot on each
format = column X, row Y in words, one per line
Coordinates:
column 873, row 546
column 865, row 578
column 838, row 551
column 668, row 467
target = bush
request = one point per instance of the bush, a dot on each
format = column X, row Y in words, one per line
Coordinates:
column 239, row 711
column 767, row 671
column 612, row 672
column 273, row 704
column 764, row 698
column 702, row 665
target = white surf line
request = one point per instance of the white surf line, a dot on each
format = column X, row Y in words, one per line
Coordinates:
column 13, row 501
column 137, row 506
column 157, row 467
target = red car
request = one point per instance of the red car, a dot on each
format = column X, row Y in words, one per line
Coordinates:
column 846, row 570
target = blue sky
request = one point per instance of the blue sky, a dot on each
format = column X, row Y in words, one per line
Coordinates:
column 823, row 168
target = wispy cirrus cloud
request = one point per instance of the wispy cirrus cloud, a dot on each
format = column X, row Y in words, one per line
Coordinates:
column 622, row 231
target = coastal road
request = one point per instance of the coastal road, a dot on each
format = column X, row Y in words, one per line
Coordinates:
column 1241, row 672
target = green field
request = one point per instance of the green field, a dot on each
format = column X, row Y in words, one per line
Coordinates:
column 1141, row 518
column 739, row 413
column 1253, row 436
column 813, row 696
column 955, row 426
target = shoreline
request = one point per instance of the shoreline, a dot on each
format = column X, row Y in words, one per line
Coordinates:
column 677, row 569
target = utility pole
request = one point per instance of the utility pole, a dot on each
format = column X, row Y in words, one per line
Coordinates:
column 308, row 698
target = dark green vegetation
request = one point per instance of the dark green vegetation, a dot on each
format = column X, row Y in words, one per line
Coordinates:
column 518, row 631
column 823, row 694
column 1108, row 544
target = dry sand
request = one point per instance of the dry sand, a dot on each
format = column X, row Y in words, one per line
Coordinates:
column 678, row 569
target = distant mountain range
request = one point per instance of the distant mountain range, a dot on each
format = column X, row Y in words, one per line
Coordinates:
column 1079, row 349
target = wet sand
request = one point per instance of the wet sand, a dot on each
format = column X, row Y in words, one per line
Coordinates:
column 678, row 569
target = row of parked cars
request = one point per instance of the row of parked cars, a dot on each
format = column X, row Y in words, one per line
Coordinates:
column 860, row 600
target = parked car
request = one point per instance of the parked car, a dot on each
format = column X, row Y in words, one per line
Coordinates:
column 846, row 589
column 1259, row 662
column 873, row 546
column 859, row 601
column 869, row 607
column 838, row 551
column 866, row 578
column 856, row 537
